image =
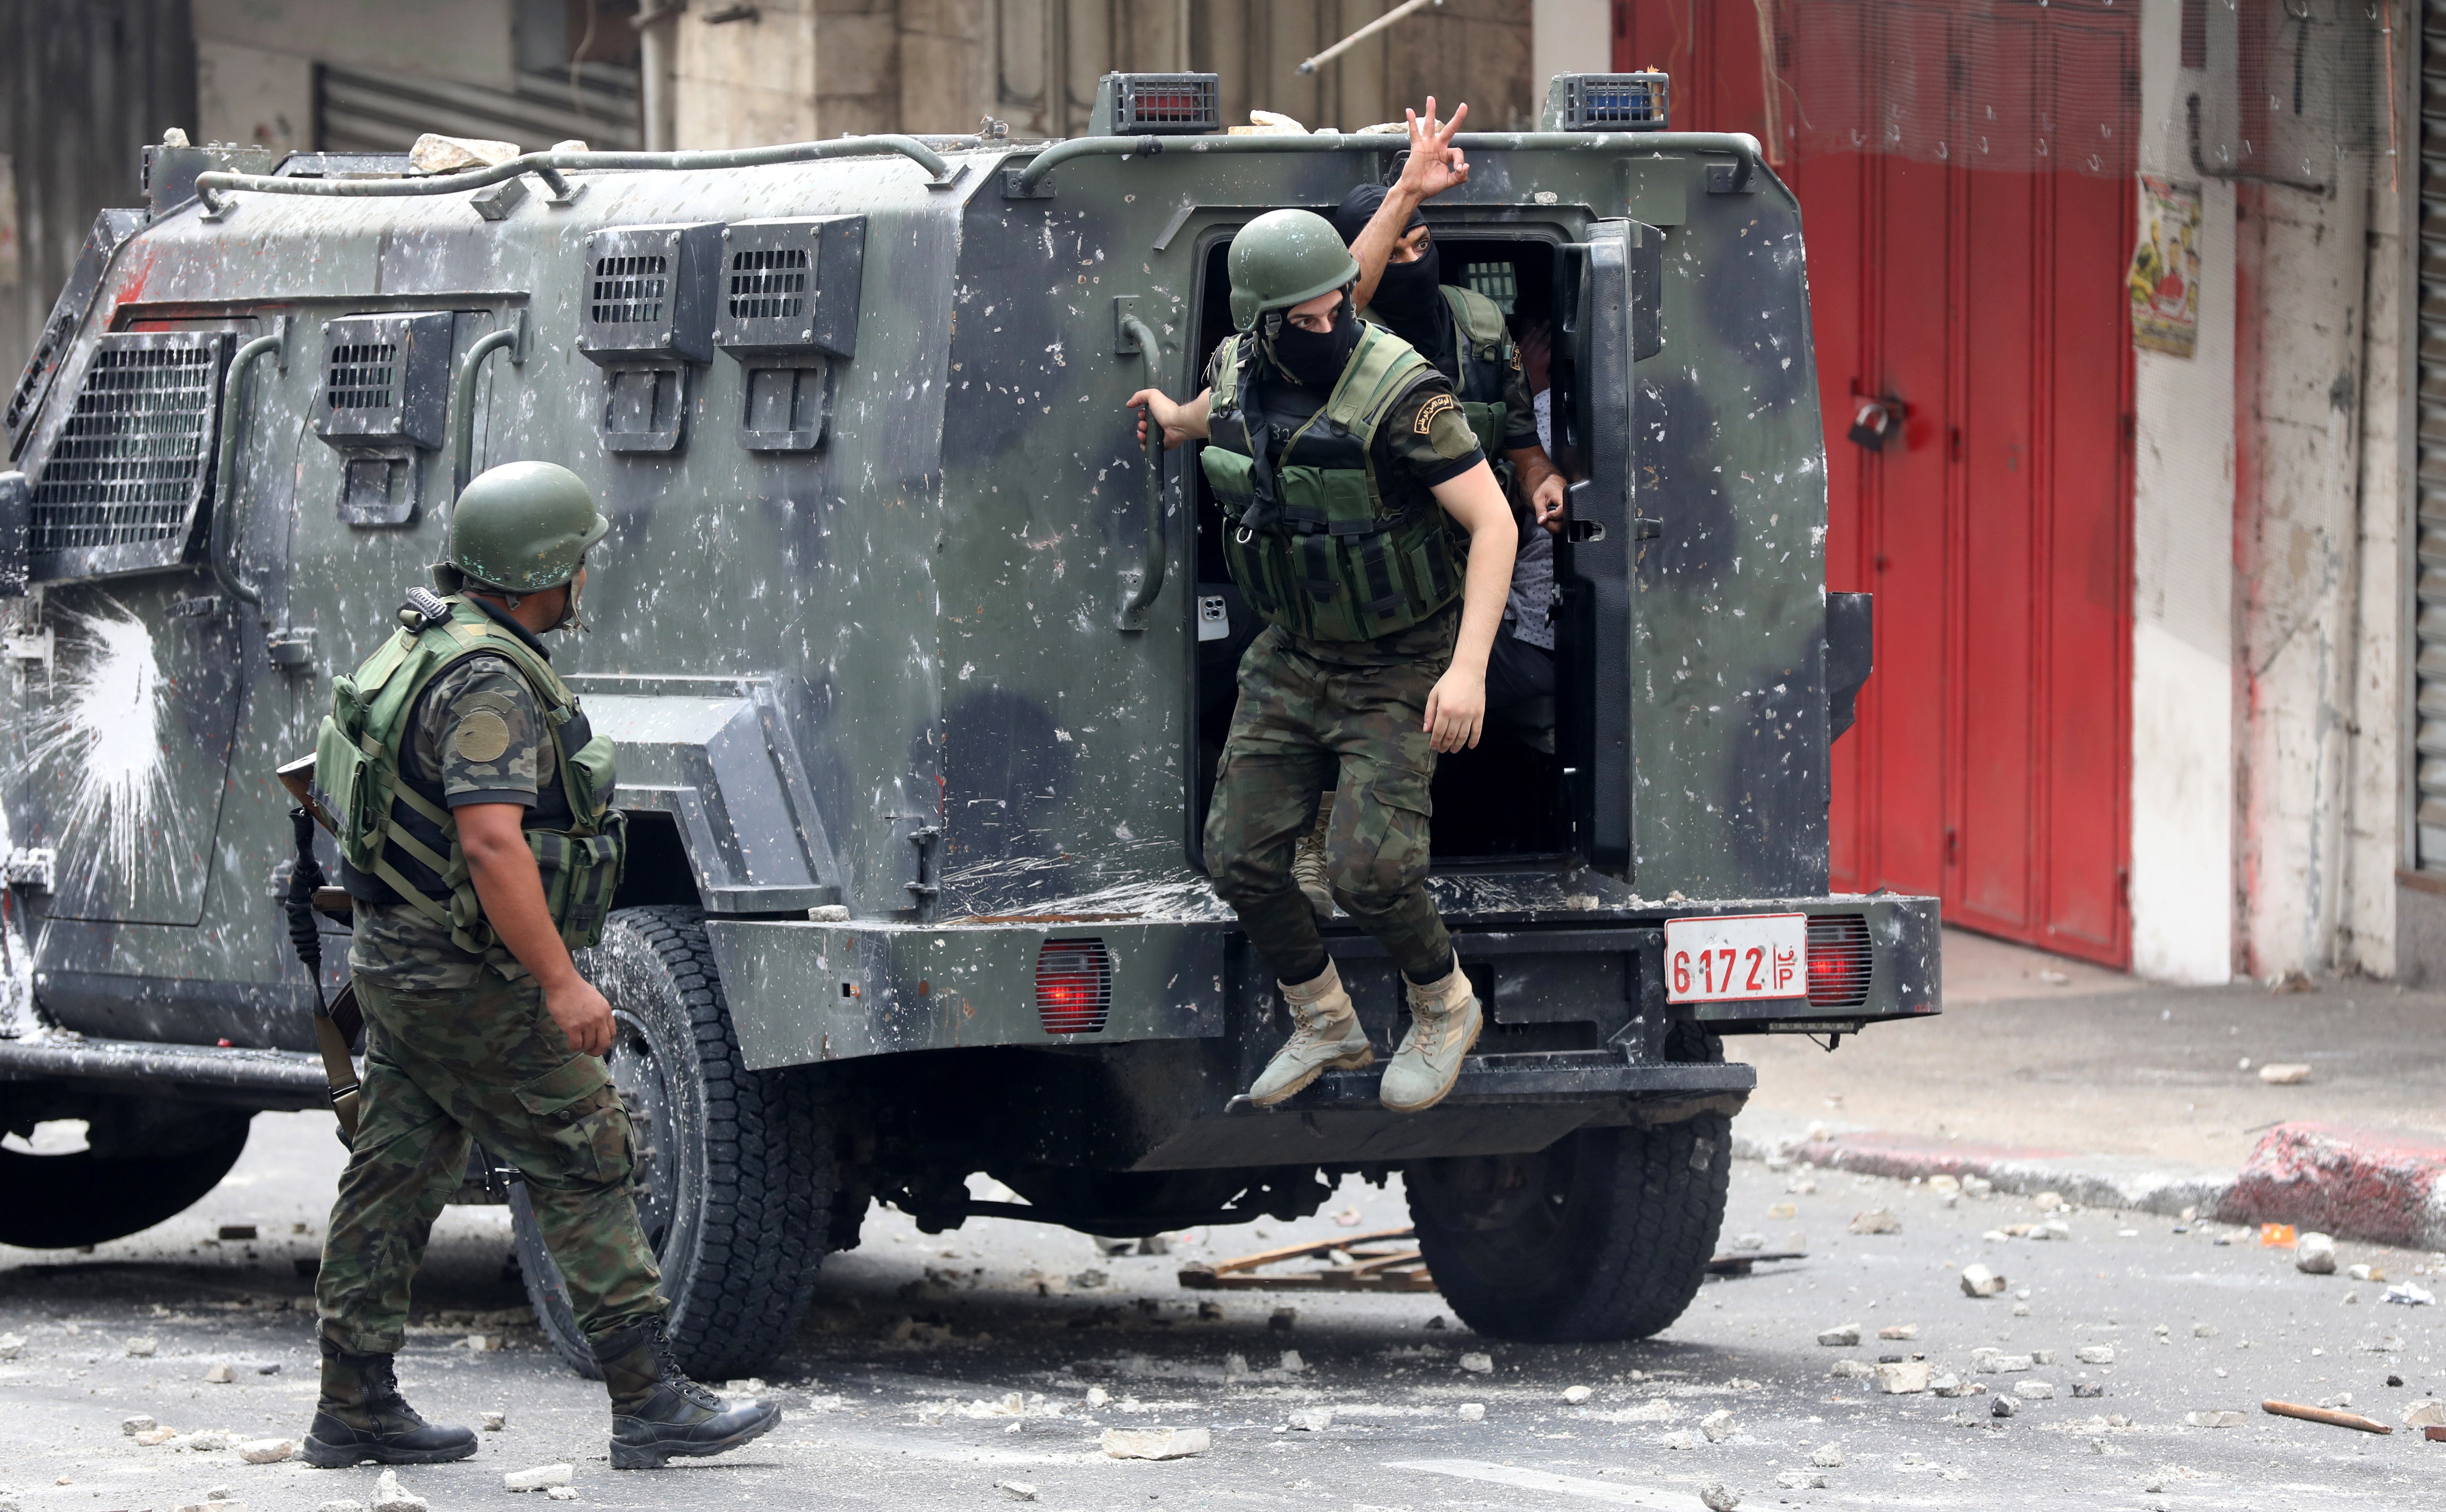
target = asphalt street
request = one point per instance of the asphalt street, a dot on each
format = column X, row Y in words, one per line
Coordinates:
column 935, row 1368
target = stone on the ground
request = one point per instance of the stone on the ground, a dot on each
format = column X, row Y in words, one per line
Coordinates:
column 2088, row 1388
column 2095, row 1354
column 1978, row 1281
column 341, row 1506
column 142, row 1346
column 1097, row 1396
column 2004, row 1364
column 2410, row 1295
column 1841, row 1337
column 2042, row 1356
column 1679, row 1439
column 1282, row 1320
column 2427, row 1412
column 1748, row 1243
column 2315, row 1255
column 2048, row 1202
column 1851, row 1370
column 1016, row 1490
column 1717, row 1425
column 495, row 1421
column 1944, row 1384
column 151, row 1437
column 2284, row 1074
column 1801, row 1481
column 1473, row 1412
column 543, row 1478
column 389, row 1495
column 2034, row 1391
column 1827, row 1456
column 2001, row 1407
column 266, row 1451
column 1899, row 1330
column 1942, row 1184
column 1978, row 1187
column 1903, row 1377
column 220, row 1375
column 138, row 1423
column 1310, row 1419
column 11, row 1345
column 2214, row 1418
column 2205, row 1331
column 1876, row 1221
column 206, row 1441
column 1577, row 1394
column 561, row 1493
column 1290, row 1362
column 1478, row 1364
column 1718, row 1497
column 2359, row 1273
column 1148, row 1443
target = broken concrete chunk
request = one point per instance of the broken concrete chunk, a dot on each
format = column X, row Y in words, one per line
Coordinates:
column 495, row 1421
column 2315, row 1255
column 543, row 1478
column 1784, row 1210
column 1097, row 1396
column 11, row 1345
column 1147, row 1443
column 2205, row 1331
column 152, row 1437
column 1899, row 1330
column 1995, row 1364
column 1842, row 1337
column 1748, row 1243
column 2410, row 1295
column 141, row 1346
column 1827, row 1456
column 266, row 1451
column 206, row 1441
column 2359, row 1273
column 2284, row 1074
column 2001, row 1407
column 1876, row 1221
column 138, row 1423
column 1477, row 1364
column 2034, row 1391
column 2048, row 1202
column 1718, row 1497
column 1978, row 1281
column 390, row 1497
column 1718, row 1426
column 2088, row 1388
column 2213, row 1419
column 1800, row 1480
column 437, row 153
column 1851, row 1370
column 1310, row 1419
column 1903, row 1377
column 561, row 1493
column 1947, row 1384
column 2042, row 1356
column 1681, row 1440
column 1977, row 1186
column 1473, row 1412
column 220, row 1375
column 2095, row 1354
column 1016, row 1490
column 1944, row 1184
column 1290, row 1362
column 2427, row 1412
column 1577, row 1394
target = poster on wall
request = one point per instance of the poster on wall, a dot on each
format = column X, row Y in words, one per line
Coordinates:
column 2166, row 268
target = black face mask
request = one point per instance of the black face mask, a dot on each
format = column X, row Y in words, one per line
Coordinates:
column 1410, row 300
column 1316, row 359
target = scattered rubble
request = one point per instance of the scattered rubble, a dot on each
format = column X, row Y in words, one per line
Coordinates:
column 1125, row 1444
column 2034, row 1391
column 1841, row 1337
column 266, row 1451
column 1851, row 1370
column 11, row 1345
column 1876, row 1221
column 2314, row 1254
column 154, row 1437
column 1801, row 1481
column 1577, row 1394
column 1718, row 1426
column 2427, row 1412
column 1978, row 1187
column 495, row 1421
column 2205, row 1331
column 1478, row 1364
column 138, row 1423
column 1978, row 1281
column 341, row 1506
column 2001, row 1407
column 1680, row 1439
column 1473, row 1412
column 1310, row 1419
column 1016, row 1490
column 543, row 1478
column 220, row 1375
column 1827, row 1456
column 390, row 1497
column 2095, row 1354
column 142, row 1347
column 2284, row 1074
column 1993, row 1363
column 2216, row 1418
column 1718, row 1497
column 1899, row 1330
column 1903, row 1377
column 1949, row 1384
column 2410, row 1295
column 561, row 1493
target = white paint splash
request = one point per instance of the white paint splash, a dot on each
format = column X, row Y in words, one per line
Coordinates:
column 101, row 742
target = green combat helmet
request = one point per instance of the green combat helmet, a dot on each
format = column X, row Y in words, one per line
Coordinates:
column 1286, row 257
column 523, row 528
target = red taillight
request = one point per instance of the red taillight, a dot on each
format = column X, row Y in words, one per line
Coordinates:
column 1838, row 961
column 1074, row 986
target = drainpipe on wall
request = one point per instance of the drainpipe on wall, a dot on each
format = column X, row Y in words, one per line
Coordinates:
column 656, row 85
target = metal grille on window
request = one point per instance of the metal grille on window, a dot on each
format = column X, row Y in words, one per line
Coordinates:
column 768, row 283
column 627, row 291
column 122, row 474
column 2429, row 585
column 362, row 377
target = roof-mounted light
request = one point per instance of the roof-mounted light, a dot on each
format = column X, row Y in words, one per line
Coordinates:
column 1607, row 102
column 1156, row 105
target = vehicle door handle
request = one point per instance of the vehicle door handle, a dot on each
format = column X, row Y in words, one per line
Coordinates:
column 1142, row 584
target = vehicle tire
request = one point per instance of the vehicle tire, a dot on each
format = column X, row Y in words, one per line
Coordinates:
column 734, row 1170
column 1603, row 1236
column 60, row 1202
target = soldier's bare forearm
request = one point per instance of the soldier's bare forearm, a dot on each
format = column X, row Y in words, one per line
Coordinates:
column 1374, row 247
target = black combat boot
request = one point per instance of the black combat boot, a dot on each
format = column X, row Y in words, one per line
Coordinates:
column 361, row 1417
column 657, row 1411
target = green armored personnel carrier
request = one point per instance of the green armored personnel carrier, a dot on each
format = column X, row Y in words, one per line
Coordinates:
column 918, row 665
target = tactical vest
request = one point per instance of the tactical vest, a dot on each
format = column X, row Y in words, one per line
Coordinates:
column 1340, row 561
column 1482, row 344
column 395, row 828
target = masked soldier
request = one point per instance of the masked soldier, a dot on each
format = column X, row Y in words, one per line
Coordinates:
column 479, row 846
column 1338, row 454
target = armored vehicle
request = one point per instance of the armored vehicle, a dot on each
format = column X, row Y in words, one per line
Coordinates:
column 918, row 664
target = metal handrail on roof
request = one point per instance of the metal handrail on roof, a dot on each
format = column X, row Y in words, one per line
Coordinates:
column 1738, row 144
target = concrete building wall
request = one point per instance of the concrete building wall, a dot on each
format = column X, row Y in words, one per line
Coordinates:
column 254, row 59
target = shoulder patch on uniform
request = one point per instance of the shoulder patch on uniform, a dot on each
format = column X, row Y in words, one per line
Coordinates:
column 1452, row 437
column 482, row 735
column 1435, row 404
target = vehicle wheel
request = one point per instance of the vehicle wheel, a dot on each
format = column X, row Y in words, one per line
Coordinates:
column 60, row 1202
column 1603, row 1236
column 734, row 1173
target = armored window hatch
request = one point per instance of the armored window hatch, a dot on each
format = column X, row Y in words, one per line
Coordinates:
column 646, row 318
column 126, row 468
column 383, row 406
column 789, row 303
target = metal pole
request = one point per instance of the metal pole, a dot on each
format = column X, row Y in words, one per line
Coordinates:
column 1407, row 8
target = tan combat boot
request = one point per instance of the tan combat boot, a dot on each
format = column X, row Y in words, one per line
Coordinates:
column 1445, row 1023
column 1307, row 863
column 1328, row 1039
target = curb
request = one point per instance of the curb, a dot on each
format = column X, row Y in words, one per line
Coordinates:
column 2368, row 1185
column 2354, row 1183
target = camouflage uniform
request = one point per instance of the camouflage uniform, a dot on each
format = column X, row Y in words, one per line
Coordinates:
column 458, row 1045
column 1345, row 717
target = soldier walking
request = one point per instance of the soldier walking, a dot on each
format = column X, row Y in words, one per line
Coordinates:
column 479, row 846
column 1338, row 454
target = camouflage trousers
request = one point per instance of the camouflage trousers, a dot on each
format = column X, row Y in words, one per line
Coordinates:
column 483, row 1061
column 1312, row 718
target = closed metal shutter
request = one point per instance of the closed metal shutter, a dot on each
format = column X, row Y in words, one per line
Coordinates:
column 368, row 112
column 2429, row 585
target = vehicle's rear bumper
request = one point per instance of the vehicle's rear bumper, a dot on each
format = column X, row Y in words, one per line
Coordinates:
column 258, row 1079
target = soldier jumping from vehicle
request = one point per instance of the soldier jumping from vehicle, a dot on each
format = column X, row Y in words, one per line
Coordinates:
column 479, row 846
column 1336, row 451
